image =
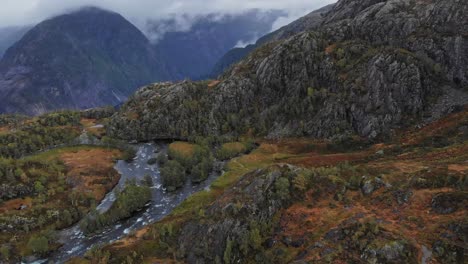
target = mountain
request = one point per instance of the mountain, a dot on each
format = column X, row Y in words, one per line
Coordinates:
column 192, row 53
column 369, row 68
column 307, row 22
column 94, row 57
column 84, row 59
column 10, row 35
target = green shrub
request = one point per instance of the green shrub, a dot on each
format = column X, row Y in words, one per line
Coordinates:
column 183, row 153
column 233, row 149
column 162, row 159
column 202, row 170
column 173, row 175
column 5, row 252
column 38, row 245
column 152, row 161
column 282, row 188
column 131, row 199
column 129, row 154
column 148, row 181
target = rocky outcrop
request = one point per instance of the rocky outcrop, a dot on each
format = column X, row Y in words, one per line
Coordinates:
column 8, row 192
column 233, row 226
column 366, row 70
column 373, row 244
column 447, row 203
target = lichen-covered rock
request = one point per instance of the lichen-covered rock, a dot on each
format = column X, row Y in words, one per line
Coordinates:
column 402, row 196
column 371, row 184
column 373, row 244
column 447, row 203
column 392, row 252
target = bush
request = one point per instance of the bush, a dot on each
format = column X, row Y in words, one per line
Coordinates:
column 38, row 245
column 202, row 170
column 183, row 153
column 152, row 161
column 131, row 199
column 38, row 187
column 282, row 188
column 5, row 252
column 233, row 149
column 148, row 181
column 129, row 154
column 162, row 159
column 173, row 175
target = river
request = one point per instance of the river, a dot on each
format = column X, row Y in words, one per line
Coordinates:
column 75, row 243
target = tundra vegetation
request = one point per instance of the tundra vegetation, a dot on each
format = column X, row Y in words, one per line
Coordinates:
column 47, row 181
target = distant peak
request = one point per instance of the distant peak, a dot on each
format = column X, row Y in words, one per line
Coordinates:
column 91, row 10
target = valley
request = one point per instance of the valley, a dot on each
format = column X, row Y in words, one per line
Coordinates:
column 338, row 203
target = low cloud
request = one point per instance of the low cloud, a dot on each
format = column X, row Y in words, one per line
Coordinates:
column 139, row 12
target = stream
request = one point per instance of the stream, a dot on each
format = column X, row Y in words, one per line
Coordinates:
column 75, row 243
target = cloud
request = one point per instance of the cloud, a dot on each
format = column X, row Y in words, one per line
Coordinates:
column 243, row 43
column 26, row 12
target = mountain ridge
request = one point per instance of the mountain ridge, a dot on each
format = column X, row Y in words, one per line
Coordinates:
column 307, row 22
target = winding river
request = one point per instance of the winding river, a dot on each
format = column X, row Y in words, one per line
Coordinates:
column 75, row 243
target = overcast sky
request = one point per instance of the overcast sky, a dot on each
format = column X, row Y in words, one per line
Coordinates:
column 29, row 12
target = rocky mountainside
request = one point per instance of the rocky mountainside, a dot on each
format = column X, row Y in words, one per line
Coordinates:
column 308, row 22
column 10, row 35
column 370, row 67
column 81, row 60
column 192, row 53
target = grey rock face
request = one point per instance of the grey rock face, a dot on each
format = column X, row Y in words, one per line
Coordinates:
column 435, row 30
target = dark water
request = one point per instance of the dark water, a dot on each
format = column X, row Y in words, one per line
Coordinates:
column 76, row 243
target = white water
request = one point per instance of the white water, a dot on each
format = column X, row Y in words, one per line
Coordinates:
column 75, row 243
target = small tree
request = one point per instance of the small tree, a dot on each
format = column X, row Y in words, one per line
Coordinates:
column 5, row 252
column 282, row 188
column 129, row 154
column 173, row 175
column 38, row 187
column 147, row 180
column 228, row 251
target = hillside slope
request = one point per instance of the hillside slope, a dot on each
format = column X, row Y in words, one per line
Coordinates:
column 372, row 66
column 308, row 22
